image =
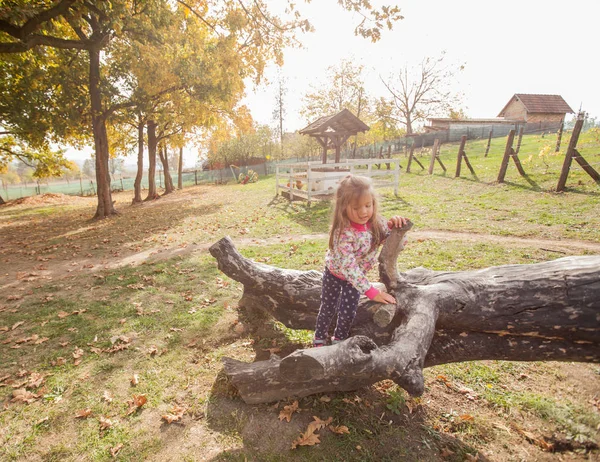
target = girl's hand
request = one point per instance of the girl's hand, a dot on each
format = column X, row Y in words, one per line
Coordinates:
column 384, row 297
column 397, row 222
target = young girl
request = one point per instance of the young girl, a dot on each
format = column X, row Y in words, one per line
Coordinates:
column 356, row 233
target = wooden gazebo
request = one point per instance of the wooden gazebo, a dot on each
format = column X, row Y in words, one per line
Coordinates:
column 332, row 131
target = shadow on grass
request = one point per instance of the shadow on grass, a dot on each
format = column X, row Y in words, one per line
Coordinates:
column 146, row 219
column 377, row 431
column 316, row 217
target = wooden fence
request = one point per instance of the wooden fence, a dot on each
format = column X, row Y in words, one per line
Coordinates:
column 316, row 181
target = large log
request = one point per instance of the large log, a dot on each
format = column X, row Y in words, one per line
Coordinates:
column 544, row 311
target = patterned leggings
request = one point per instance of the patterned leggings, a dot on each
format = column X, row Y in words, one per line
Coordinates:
column 338, row 296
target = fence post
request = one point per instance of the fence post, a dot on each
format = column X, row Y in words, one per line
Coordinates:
column 507, row 152
column 434, row 149
column 559, row 138
column 487, row 148
column 463, row 140
column 519, row 140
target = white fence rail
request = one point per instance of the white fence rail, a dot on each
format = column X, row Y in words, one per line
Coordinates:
column 316, row 181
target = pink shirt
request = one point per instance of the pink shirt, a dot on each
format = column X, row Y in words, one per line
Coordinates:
column 352, row 258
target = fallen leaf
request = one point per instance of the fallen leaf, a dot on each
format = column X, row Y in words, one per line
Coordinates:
column 114, row 451
column 17, row 324
column 137, row 402
column 317, row 424
column 340, row 430
column 152, row 351
column 467, row 417
column 105, row 423
column 174, row 415
column 106, row 397
column 135, row 379
column 35, row 380
column 60, row 361
column 325, row 399
column 446, row 452
column 23, row 396
column 63, row 314
column 41, row 340
column 288, row 410
column 41, row 421
column 471, row 457
column 306, row 439
column 83, row 413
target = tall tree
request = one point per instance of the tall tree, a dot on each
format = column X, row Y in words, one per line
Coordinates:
column 279, row 111
column 423, row 91
column 343, row 88
column 94, row 28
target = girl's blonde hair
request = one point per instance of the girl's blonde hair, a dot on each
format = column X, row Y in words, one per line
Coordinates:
column 349, row 190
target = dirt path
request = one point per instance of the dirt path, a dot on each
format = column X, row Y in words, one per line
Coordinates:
column 19, row 276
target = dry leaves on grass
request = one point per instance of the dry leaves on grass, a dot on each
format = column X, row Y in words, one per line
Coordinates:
column 340, row 429
column 135, row 379
column 114, row 451
column 105, row 423
column 21, row 395
column 174, row 415
column 83, row 413
column 137, row 402
column 77, row 354
column 309, row 437
column 106, row 397
column 288, row 410
column 537, row 440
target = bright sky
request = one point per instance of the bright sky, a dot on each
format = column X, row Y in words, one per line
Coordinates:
column 508, row 47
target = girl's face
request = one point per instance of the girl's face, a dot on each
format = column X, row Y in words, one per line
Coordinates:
column 360, row 210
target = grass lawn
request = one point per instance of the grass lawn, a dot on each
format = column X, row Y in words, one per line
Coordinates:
column 112, row 332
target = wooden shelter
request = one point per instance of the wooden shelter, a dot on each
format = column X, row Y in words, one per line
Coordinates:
column 332, row 131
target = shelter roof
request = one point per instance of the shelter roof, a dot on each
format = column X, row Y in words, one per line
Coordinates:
column 548, row 104
column 342, row 123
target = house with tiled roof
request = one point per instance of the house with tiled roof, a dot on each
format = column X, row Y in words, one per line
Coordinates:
column 534, row 112
column 528, row 108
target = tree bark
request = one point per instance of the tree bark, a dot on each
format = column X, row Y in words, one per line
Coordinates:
column 105, row 207
column 2, row 201
column 137, row 184
column 165, row 163
column 152, row 143
column 544, row 311
column 180, row 170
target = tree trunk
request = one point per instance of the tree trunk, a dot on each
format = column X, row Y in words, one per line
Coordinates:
column 137, row 184
column 165, row 163
column 105, row 206
column 152, row 143
column 545, row 311
column 180, row 170
column 2, row 201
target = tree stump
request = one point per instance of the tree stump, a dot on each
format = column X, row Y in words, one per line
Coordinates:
column 544, row 311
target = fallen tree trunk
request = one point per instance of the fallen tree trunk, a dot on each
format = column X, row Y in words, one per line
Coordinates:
column 544, row 311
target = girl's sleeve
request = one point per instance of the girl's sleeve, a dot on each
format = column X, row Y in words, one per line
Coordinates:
column 349, row 267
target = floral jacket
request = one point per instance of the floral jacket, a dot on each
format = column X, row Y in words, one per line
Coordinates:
column 352, row 257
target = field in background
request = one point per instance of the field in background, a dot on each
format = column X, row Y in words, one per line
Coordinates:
column 486, row 167
column 94, row 315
